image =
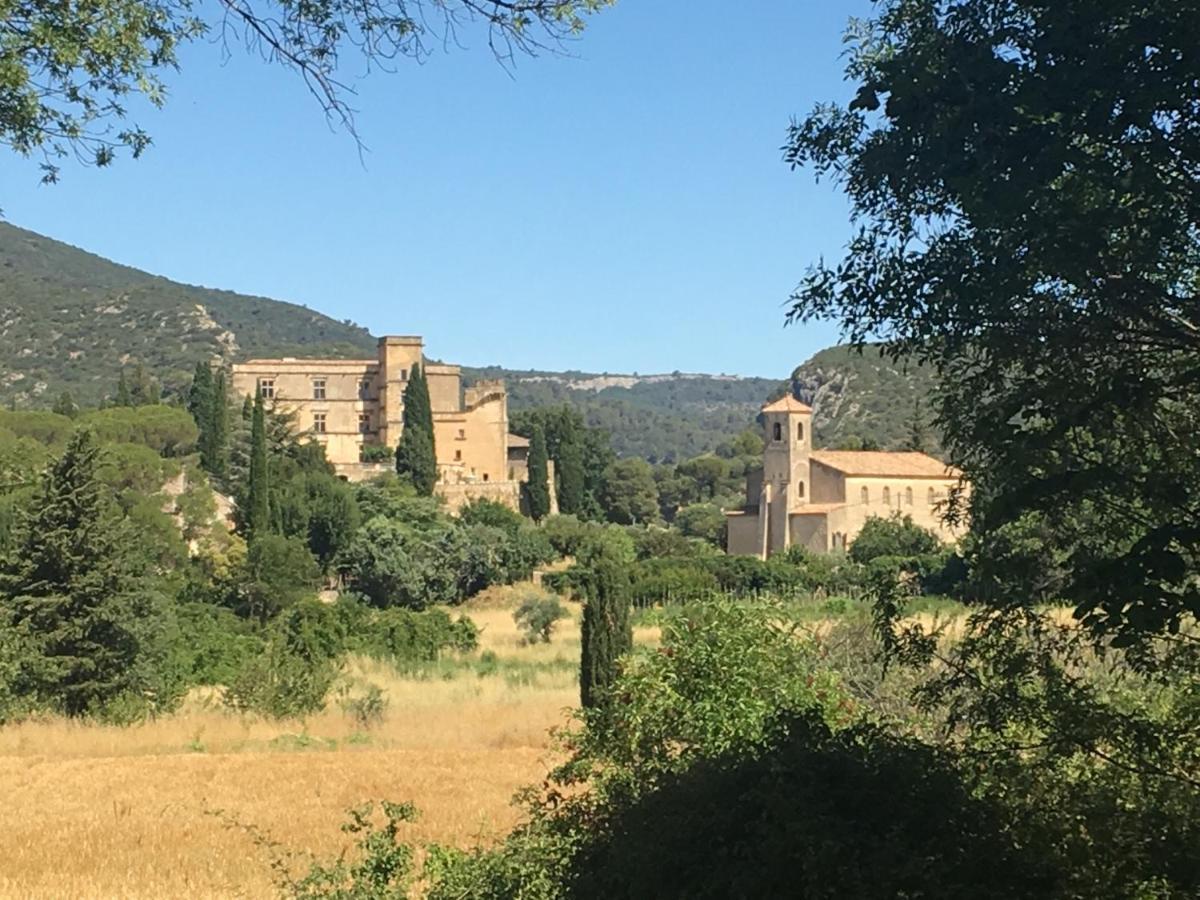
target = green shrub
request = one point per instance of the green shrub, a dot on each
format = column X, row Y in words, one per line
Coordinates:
column 537, row 615
column 367, row 706
column 895, row 536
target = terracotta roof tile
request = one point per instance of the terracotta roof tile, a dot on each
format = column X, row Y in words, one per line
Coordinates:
column 866, row 463
column 787, row 404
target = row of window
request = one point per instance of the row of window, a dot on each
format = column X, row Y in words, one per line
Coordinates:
column 865, row 495
column 266, row 387
column 777, row 431
column 320, row 423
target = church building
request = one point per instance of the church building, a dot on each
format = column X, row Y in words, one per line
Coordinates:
column 820, row 499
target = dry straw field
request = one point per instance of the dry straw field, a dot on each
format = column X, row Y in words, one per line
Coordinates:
column 153, row 810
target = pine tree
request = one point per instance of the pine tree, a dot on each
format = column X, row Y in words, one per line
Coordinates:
column 65, row 405
column 606, row 632
column 572, row 488
column 124, row 398
column 258, row 505
column 71, row 589
column 537, row 488
column 416, row 458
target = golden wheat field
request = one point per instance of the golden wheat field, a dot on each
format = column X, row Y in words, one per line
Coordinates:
column 160, row 809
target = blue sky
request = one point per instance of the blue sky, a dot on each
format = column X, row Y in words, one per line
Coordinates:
column 624, row 209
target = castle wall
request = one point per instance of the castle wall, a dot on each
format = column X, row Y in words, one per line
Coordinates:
column 810, row 532
column 445, row 387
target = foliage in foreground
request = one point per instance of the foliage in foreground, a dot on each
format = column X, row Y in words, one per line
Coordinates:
column 746, row 757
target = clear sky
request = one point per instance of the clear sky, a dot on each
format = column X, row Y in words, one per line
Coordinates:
column 624, row 209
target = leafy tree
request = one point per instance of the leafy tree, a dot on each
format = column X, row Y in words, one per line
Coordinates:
column 65, row 405
column 706, row 471
column 416, row 457
column 606, row 630
column 1023, row 177
column 258, row 489
column 702, row 520
column 895, row 536
column 71, row 74
column 167, row 430
column 537, row 489
column 279, row 573
column 73, row 592
column 537, row 615
column 333, row 517
column 630, row 494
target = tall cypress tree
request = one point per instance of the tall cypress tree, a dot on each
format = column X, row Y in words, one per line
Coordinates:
column 537, row 489
column 214, row 440
column 199, row 395
column 65, row 405
column 124, row 398
column 69, row 585
column 569, row 466
column 258, row 504
column 606, row 630
column 416, row 458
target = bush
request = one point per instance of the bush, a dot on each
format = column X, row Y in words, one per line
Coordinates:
column 400, row 636
column 537, row 615
column 672, row 581
column 366, row 707
column 895, row 536
column 565, row 533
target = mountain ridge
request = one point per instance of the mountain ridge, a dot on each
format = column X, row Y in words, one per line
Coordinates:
column 71, row 320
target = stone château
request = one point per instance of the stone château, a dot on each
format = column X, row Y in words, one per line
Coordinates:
column 353, row 405
column 820, row 499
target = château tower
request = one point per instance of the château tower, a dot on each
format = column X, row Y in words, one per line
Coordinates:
column 787, row 440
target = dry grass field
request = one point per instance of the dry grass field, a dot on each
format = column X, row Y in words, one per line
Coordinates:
column 149, row 810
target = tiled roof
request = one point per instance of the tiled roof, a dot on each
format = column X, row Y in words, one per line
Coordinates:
column 787, row 403
column 867, row 463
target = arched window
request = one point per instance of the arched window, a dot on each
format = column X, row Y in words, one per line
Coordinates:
column 866, row 496
column 777, row 432
column 800, row 489
column 800, row 432
column 887, row 496
column 932, row 496
column 908, row 498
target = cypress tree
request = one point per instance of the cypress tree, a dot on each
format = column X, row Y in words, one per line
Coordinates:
column 416, row 458
column 258, row 505
column 606, row 632
column 214, row 440
column 69, row 588
column 123, row 396
column 199, row 395
column 569, row 466
column 537, row 489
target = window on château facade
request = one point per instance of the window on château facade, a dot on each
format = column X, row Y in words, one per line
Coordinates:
column 800, row 431
column 908, row 497
column 800, row 489
column 458, row 455
column 364, row 423
column 887, row 496
column 865, row 496
column 266, row 387
column 318, row 388
column 777, row 432
column 364, row 390
column 319, row 423
column 932, row 496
